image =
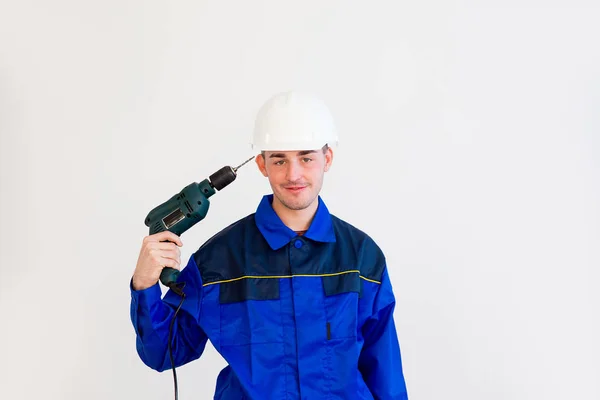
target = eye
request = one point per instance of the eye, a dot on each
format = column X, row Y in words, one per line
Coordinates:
column 280, row 162
column 306, row 159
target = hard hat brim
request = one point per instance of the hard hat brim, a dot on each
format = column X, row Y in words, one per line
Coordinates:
column 300, row 146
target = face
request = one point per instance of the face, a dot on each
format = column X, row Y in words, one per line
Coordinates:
column 296, row 177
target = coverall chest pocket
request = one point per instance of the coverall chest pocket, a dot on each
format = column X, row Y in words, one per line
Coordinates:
column 250, row 312
column 342, row 293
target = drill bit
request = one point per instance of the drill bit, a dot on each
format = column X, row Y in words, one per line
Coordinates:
column 242, row 164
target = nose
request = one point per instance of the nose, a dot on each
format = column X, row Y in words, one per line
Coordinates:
column 294, row 171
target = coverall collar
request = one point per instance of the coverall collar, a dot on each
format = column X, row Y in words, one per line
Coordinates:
column 277, row 234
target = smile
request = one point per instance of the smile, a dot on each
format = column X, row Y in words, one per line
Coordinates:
column 295, row 189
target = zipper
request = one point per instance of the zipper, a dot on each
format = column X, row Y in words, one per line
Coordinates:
column 328, row 331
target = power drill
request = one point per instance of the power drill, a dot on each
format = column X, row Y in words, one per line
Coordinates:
column 185, row 209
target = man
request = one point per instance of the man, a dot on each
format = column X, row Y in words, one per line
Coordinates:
column 297, row 301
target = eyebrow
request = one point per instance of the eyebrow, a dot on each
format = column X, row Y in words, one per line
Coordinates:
column 300, row 153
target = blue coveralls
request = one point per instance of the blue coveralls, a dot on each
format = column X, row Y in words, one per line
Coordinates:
column 295, row 317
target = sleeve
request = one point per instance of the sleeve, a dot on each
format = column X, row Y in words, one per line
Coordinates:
column 151, row 318
column 380, row 361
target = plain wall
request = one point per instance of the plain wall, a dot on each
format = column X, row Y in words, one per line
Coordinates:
column 470, row 147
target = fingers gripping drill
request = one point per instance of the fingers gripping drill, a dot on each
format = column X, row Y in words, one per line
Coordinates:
column 185, row 209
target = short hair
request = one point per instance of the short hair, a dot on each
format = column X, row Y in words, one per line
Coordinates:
column 324, row 148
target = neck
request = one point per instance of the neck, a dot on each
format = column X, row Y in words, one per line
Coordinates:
column 296, row 220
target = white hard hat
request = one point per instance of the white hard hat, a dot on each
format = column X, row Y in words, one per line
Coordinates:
column 292, row 121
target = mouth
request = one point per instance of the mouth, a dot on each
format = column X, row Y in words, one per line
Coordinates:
column 295, row 189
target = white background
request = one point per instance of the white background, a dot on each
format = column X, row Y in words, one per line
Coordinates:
column 470, row 148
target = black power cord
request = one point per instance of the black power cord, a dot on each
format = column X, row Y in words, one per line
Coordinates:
column 178, row 289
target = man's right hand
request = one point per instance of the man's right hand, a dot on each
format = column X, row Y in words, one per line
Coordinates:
column 156, row 253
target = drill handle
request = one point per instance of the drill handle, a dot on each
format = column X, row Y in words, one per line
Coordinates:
column 168, row 276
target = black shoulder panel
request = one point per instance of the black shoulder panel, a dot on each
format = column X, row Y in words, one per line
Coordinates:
column 357, row 249
column 236, row 251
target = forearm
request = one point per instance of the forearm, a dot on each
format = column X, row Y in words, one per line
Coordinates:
column 380, row 361
column 152, row 316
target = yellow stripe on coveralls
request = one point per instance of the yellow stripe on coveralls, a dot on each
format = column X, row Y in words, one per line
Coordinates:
column 290, row 276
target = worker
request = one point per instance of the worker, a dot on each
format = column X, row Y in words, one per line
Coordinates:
column 298, row 302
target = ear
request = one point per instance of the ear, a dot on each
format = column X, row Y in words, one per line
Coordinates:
column 328, row 158
column 260, row 161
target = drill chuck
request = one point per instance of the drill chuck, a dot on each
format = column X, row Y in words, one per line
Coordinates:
column 225, row 175
column 222, row 177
